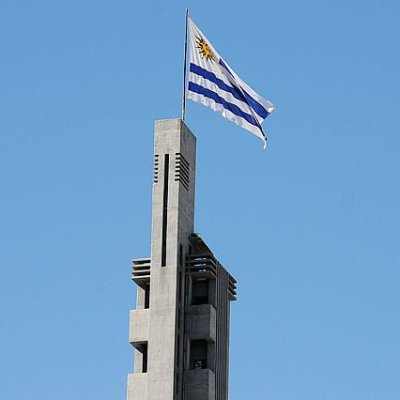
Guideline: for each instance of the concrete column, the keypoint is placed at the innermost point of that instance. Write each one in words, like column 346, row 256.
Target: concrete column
column 173, row 216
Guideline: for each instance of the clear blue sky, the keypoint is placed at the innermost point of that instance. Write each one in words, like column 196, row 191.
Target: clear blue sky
column 309, row 227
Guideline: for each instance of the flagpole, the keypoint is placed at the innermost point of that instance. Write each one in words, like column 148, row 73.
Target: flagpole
column 184, row 67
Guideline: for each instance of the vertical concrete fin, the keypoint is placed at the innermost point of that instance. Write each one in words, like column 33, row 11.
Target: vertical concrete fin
column 172, row 223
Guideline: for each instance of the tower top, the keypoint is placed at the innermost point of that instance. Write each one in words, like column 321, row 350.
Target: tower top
column 180, row 328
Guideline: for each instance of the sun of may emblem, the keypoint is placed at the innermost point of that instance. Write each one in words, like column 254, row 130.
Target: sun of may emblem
column 204, row 49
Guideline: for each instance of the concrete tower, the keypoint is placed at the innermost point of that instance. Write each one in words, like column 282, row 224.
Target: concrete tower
column 180, row 328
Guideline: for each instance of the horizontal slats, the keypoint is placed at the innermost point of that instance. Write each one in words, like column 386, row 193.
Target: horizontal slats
column 182, row 174
column 156, row 165
column 141, row 271
column 205, row 265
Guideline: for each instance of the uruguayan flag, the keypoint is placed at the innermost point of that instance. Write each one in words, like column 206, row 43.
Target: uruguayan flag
column 213, row 83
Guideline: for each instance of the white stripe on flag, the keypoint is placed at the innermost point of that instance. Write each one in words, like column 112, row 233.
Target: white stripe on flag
column 226, row 113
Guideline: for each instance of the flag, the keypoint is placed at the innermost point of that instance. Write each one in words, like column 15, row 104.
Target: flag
column 213, row 83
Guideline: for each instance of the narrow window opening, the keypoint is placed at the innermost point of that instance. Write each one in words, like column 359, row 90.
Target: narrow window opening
column 200, row 292
column 177, row 382
column 178, row 350
column 143, row 348
column 165, row 212
column 179, row 286
column 147, row 296
column 198, row 354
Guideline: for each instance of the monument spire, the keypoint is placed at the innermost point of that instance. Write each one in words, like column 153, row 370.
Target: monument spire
column 180, row 327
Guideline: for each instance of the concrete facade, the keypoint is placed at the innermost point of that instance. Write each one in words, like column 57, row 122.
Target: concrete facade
column 180, row 328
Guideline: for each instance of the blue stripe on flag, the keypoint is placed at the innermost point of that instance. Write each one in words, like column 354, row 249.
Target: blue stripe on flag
column 241, row 95
column 210, row 76
column 257, row 107
column 233, row 108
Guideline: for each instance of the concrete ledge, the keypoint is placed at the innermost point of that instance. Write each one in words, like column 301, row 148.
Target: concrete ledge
column 200, row 384
column 202, row 322
column 139, row 326
column 137, row 386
